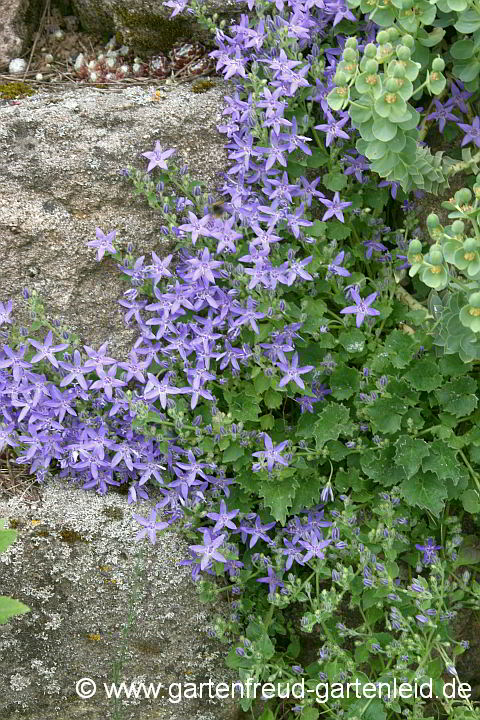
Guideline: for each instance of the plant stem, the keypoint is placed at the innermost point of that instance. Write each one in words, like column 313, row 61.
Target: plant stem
column 405, row 297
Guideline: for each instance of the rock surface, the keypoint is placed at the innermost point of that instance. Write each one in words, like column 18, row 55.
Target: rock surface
column 147, row 24
column 18, row 18
column 61, row 179
column 96, row 595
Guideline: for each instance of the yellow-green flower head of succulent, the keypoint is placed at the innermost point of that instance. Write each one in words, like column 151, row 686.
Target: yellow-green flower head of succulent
column 468, row 258
column 470, row 314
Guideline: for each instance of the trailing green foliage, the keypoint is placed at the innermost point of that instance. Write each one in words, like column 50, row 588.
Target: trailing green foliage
column 8, row 606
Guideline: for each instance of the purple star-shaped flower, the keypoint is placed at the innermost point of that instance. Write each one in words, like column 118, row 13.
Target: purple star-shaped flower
column 150, row 526
column 107, row 381
column 472, row 132
column 429, row 551
column 103, row 243
column 258, row 532
column 335, row 207
column 315, row 545
column 361, row 307
column 335, row 266
column 333, row 128
column 5, row 311
column 442, row 114
column 293, row 372
column 208, row 550
column 271, row 579
column 196, row 226
column 247, row 315
column 202, row 269
column 15, row 361
column 306, row 403
column 46, row 350
column 223, row 518
column 271, row 454
column 157, row 157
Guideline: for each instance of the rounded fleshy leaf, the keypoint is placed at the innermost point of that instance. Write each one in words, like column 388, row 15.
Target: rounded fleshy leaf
column 384, row 130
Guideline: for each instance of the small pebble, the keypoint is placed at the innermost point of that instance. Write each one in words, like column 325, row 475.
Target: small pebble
column 17, row 66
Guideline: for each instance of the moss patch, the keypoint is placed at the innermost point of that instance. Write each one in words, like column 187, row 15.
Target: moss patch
column 11, row 90
column 165, row 32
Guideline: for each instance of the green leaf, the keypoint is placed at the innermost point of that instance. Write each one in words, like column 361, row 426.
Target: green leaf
column 233, row 452
column 337, row 230
column 308, row 491
column 273, row 399
column 332, row 421
column 376, row 199
column 261, row 382
column 352, row 340
column 400, row 348
column 265, row 647
column 384, row 415
column 335, row 101
column 267, row 422
column 317, row 229
column 424, row 375
column 380, row 466
column 234, row 661
column 361, row 653
column 451, row 365
column 443, row 462
column 294, row 647
column 344, row 382
column 409, row 453
column 462, row 49
column 334, row 181
column 386, row 164
column 10, row 607
column 471, row 502
column 318, row 158
column 384, row 130
column 469, row 551
column 425, row 491
column 243, row 406
column 309, row 713
column 267, row 715
column 435, row 668
column 376, row 150
column 432, row 38
column 384, row 17
column 468, row 72
column 278, row 495
column 359, row 113
column 468, row 22
column 305, row 425
column 7, row 537
column 458, row 396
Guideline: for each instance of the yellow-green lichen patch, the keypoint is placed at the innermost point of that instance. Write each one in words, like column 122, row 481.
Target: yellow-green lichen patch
column 93, row 637
column 201, row 86
column 113, row 513
column 12, row 90
column 71, row 536
column 149, row 647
